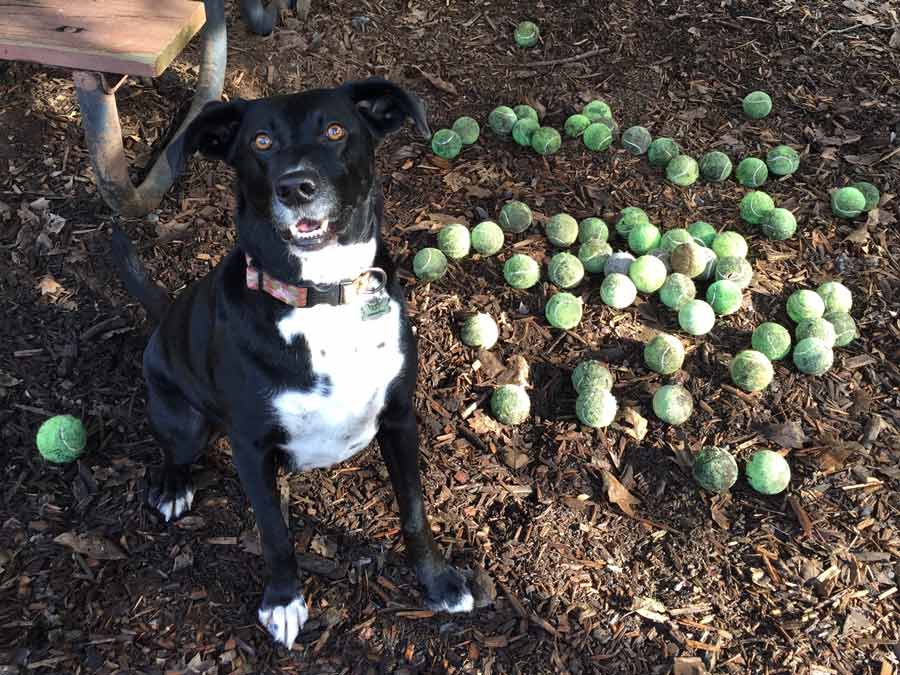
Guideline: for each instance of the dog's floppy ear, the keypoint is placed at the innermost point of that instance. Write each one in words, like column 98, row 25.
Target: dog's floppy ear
column 385, row 105
column 212, row 133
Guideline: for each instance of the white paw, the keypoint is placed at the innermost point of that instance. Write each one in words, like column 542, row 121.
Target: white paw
column 464, row 603
column 285, row 621
column 174, row 508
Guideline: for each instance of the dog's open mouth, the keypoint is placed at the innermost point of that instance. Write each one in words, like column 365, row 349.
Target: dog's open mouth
column 305, row 230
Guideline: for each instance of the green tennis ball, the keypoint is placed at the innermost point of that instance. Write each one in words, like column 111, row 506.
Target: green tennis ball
column 610, row 124
column 593, row 255
column 782, row 160
column 446, row 143
column 730, row 245
column 757, row 105
column 844, row 328
column 565, row 270
column 710, row 260
column 677, row 291
column 596, row 408
column 597, row 137
column 715, row 166
column 662, row 151
column 664, row 257
column 468, row 129
column 672, row 239
column 429, row 264
column 696, row 317
column 546, row 141
column 751, row 172
column 805, row 304
column 734, row 269
column 836, row 296
column 592, row 228
column 813, row 356
column 575, row 125
column 636, row 140
column 617, row 291
column 527, row 34
column 756, row 206
column 521, row 271
column 724, row 297
column 526, row 112
column 61, row 439
column 479, row 330
column 563, row 311
column 682, row 170
column 715, row 469
column 870, row 192
column 847, row 202
column 673, row 404
column 523, row 130
column 751, row 370
column 628, row 218
column 502, row 119
column 595, row 110
column 703, row 233
column 515, row 217
column 618, row 263
column 818, row 328
column 688, row 259
column 779, row 225
column 664, row 354
column 768, row 472
column 561, row 230
column 510, row 404
column 643, row 238
column 454, row 241
column 771, row 339
column 648, row 273
column 487, row 238
column 591, row 375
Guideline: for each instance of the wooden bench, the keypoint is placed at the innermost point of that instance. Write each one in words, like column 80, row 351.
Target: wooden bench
column 124, row 37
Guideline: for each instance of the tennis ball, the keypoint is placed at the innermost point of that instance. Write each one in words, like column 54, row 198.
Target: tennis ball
column 446, row 143
column 454, row 241
column 628, row 218
column 597, row 137
column 575, row 125
column 593, row 255
column 757, row 104
column 610, row 124
column 502, row 119
column 595, row 110
column 468, row 129
column 515, row 217
column 682, row 170
column 673, row 404
column 664, row 354
column 563, row 311
column 715, row 166
column 662, row 151
column 772, row 339
column 523, row 130
column 751, row 172
column 591, row 375
column 751, row 370
column 696, row 317
column 429, row 264
column 648, row 273
column 730, row 245
column 703, row 233
column 663, row 256
column 643, row 238
column 715, row 469
column 618, row 291
column 565, row 270
column 710, row 260
column 837, row 297
column 870, row 192
column 756, row 206
column 61, row 439
column 768, row 472
column 521, row 271
column 847, row 202
column 596, row 408
column 526, row 112
column 688, row 259
column 779, row 225
column 813, row 356
column 782, row 160
column 677, row 291
column 592, row 228
column 479, row 330
column 618, row 263
column 734, row 269
column 724, row 297
column 636, row 140
column 526, row 34
column 561, row 230
column 818, row 328
column 487, row 237
column 844, row 328
column 510, row 404
column 546, row 141
column 672, row 239
column 805, row 304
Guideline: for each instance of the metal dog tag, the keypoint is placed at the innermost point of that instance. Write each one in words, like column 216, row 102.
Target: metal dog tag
column 378, row 306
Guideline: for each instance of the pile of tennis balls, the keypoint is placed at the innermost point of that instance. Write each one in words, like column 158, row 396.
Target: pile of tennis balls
column 448, row 143
column 595, row 405
column 716, row 470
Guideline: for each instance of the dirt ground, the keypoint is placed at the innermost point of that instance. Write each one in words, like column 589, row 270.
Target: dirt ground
column 801, row 582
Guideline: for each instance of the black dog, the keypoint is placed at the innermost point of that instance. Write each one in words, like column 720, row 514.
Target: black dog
column 297, row 344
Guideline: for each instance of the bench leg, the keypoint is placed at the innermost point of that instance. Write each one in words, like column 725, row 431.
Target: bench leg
column 103, row 134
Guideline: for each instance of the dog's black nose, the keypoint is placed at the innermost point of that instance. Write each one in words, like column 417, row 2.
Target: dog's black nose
column 297, row 187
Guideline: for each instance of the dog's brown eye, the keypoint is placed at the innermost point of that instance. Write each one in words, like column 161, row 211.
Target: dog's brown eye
column 335, row 132
column 262, row 142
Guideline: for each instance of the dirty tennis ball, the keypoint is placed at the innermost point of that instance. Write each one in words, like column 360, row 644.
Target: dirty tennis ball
column 715, row 469
column 618, row 291
column 724, row 297
column 636, row 140
column 501, row 120
column 563, row 311
column 648, row 273
column 702, row 232
column 737, row 270
column 576, row 124
column 709, row 267
column 429, row 264
column 870, row 192
column 515, row 217
column 479, row 330
column 757, row 105
column 664, row 354
column 688, row 259
column 673, row 404
column 663, row 255
column 836, row 296
column 565, row 270
column 779, row 225
column 527, row 34
column 715, row 166
column 545, row 141
column 593, row 255
column 524, row 111
column 805, row 304
column 487, row 237
column 751, row 172
column 561, row 230
column 592, row 228
column 672, row 239
column 756, row 206
column 591, row 375
column 595, row 110
column 730, row 245
column 696, row 317
column 818, row 328
column 454, row 241
column 611, row 124
column 643, row 238
column 628, row 218
column 768, row 472
column 677, row 291
column 751, row 370
column 847, row 202
column 782, row 160
column 521, row 271
column 597, row 137
column 844, row 328
column 662, row 151
column 446, row 143
column 510, row 404
column 771, row 339
column 596, row 407
column 467, row 128
column 813, row 356
column 61, row 439
column 683, row 170
column 618, row 263
column 523, row 130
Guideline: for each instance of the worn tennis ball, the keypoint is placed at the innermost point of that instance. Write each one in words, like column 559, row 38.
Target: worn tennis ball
column 844, row 328
column 597, row 137
column 724, row 297
column 702, row 232
column 575, row 125
column 688, row 259
column 526, row 112
column 836, row 296
column 591, row 375
column 813, row 356
column 730, row 245
column 468, row 129
column 636, row 140
column 804, row 304
column 502, row 119
column 565, row 270
column 487, row 237
column 526, row 34
column 429, row 264
column 593, row 255
column 546, row 141
column 61, row 439
column 870, row 192
column 454, row 241
column 610, row 123
column 818, row 328
column 618, row 263
column 779, row 225
column 596, row 407
column 563, row 311
column 643, row 238
column 677, row 291
column 715, row 469
column 715, row 166
column 757, row 105
column 664, row 257
column 768, row 472
column 446, row 143
column 672, row 239
column 664, row 354
column 515, row 217
column 662, row 151
column 628, row 218
column 772, row 339
column 596, row 110
column 523, row 130
column 847, row 202
column 479, row 330
column 648, row 273
column 561, row 230
column 710, row 260
column 751, row 172
column 756, row 206
column 592, row 228
column 751, row 370
column 782, row 160
column 521, row 271
column 683, row 170
column 673, row 404
column 696, row 317
column 510, row 404
column 618, row 291
column 734, row 269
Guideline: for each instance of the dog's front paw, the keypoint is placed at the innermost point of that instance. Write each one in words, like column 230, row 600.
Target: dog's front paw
column 174, row 494
column 448, row 592
column 284, row 621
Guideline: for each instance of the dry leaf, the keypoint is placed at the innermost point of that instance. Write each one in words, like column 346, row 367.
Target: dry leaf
column 861, row 234
column 49, row 286
column 516, row 371
column 484, row 590
column 91, row 546
column 650, row 608
column 688, row 665
column 717, row 511
column 787, row 435
column 638, row 428
column 514, row 460
column 874, row 427
column 190, row 522
column 7, row 380
column 894, row 42
column 617, row 494
column 437, row 82
column 833, row 453
column 477, row 192
column 483, row 424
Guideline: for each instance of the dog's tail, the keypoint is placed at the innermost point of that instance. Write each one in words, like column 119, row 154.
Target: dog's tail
column 134, row 275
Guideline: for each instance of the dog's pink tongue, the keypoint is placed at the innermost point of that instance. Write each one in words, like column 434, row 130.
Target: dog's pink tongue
column 307, row 225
